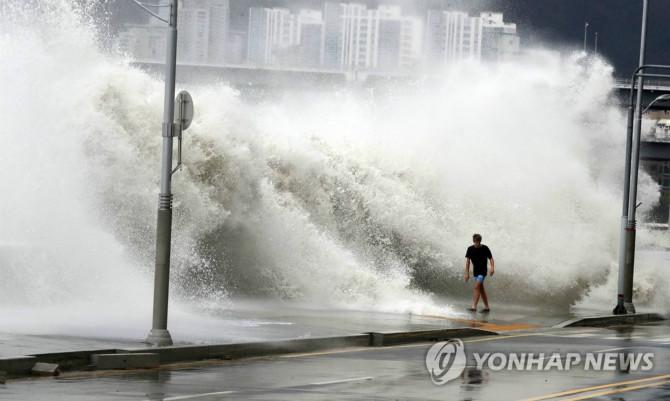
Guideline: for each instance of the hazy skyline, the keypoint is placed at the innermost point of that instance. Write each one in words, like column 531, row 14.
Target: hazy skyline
column 551, row 23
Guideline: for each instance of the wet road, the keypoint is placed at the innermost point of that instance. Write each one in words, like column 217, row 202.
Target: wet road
column 390, row 373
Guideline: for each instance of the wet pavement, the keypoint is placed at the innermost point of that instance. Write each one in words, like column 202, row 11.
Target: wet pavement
column 18, row 344
column 388, row 373
column 257, row 321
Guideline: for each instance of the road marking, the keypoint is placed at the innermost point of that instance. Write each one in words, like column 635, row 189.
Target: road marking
column 501, row 337
column 613, row 349
column 580, row 331
column 599, row 387
column 614, row 338
column 331, row 352
column 487, row 325
column 353, row 379
column 194, row 396
column 324, row 383
column 617, row 391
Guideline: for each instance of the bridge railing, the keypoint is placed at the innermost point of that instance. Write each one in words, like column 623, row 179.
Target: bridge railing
column 648, row 83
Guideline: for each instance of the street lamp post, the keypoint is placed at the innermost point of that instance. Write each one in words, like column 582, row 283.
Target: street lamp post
column 628, row 258
column 159, row 334
column 586, row 30
column 625, row 284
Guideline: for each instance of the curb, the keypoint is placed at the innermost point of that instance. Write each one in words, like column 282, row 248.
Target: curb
column 189, row 353
column 386, row 339
column 146, row 357
column 143, row 360
column 610, row 320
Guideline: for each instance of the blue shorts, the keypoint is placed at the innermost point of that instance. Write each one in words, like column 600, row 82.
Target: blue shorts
column 480, row 278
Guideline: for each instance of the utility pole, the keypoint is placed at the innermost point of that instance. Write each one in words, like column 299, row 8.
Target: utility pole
column 628, row 222
column 635, row 159
column 586, row 30
column 595, row 48
column 159, row 334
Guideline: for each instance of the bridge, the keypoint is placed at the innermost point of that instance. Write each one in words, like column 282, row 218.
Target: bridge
column 653, row 149
column 652, row 89
column 257, row 76
column 249, row 75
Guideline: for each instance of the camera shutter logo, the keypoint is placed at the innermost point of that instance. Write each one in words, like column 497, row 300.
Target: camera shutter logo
column 445, row 361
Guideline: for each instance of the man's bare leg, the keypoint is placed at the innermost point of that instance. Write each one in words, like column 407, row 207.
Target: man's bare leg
column 476, row 294
column 484, row 297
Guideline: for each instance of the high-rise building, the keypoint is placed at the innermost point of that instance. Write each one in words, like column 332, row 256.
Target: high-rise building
column 272, row 31
column 310, row 30
column 435, row 40
column 219, row 25
column 236, row 47
column 202, row 37
column 499, row 39
column 332, row 36
column 203, row 26
column 411, row 41
column 193, row 39
column 279, row 37
column 463, row 36
column 388, row 51
column 358, row 38
column 258, row 49
column 399, row 41
column 452, row 36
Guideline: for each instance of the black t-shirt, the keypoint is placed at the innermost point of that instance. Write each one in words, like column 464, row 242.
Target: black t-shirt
column 479, row 256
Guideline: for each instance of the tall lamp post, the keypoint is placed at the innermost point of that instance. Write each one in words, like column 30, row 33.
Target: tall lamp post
column 633, row 142
column 628, row 223
column 159, row 334
column 586, row 30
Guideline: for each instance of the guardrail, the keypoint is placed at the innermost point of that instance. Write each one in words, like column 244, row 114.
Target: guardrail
column 648, row 84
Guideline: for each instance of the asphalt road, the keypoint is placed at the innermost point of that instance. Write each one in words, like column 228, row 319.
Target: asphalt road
column 389, row 373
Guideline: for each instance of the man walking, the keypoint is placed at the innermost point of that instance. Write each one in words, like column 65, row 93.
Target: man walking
column 478, row 254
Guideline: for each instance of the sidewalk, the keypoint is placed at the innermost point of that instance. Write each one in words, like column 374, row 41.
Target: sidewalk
column 261, row 323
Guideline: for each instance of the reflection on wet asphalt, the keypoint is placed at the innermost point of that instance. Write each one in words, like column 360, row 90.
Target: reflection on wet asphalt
column 380, row 374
